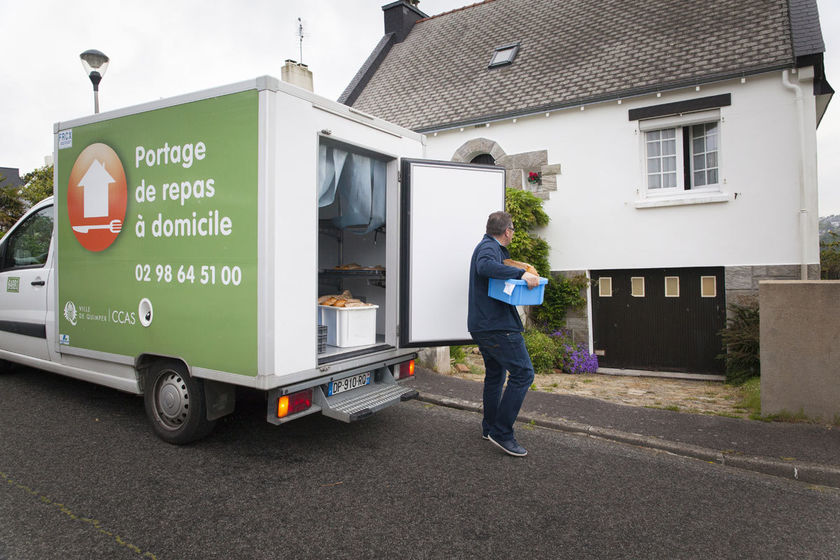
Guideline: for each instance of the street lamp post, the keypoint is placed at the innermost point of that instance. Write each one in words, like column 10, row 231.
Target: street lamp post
column 95, row 63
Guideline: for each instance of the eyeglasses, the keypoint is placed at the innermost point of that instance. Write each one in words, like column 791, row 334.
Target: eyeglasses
column 510, row 228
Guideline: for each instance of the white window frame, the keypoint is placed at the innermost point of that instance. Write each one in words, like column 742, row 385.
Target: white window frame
column 679, row 194
column 703, row 293
column 605, row 286
column 632, row 288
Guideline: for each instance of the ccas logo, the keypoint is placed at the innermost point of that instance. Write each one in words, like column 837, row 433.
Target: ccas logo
column 96, row 197
column 70, row 312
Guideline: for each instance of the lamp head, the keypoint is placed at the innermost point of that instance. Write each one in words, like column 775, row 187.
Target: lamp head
column 95, row 63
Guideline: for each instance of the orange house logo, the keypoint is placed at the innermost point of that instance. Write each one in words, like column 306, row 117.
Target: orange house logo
column 96, row 197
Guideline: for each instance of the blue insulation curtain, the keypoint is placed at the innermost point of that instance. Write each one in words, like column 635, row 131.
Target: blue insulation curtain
column 359, row 184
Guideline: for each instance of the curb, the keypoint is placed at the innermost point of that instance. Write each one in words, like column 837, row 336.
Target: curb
column 813, row 473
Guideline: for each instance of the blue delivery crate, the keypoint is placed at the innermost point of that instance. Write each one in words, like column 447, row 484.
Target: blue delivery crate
column 520, row 295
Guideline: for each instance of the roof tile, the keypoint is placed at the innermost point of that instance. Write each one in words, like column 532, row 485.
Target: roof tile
column 577, row 51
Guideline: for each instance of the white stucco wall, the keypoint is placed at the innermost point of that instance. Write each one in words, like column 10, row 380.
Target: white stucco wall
column 595, row 223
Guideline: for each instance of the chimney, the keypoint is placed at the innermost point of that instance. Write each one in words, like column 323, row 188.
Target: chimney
column 400, row 17
column 297, row 74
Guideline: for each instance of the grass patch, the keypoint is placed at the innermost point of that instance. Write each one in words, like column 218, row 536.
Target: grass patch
column 751, row 397
column 457, row 354
column 751, row 402
column 475, row 370
column 672, row 407
column 726, row 415
column 785, row 416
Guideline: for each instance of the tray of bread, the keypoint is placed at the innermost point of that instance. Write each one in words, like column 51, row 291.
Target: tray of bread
column 344, row 299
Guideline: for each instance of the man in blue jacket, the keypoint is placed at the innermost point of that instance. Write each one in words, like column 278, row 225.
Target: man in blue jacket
column 496, row 328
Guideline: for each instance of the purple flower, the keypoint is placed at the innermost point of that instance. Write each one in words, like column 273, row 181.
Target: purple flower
column 579, row 360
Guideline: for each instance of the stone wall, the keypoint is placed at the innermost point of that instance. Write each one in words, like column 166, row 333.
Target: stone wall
column 742, row 281
column 577, row 320
column 518, row 166
column 800, row 348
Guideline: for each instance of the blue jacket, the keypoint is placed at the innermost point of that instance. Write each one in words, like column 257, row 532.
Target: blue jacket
column 486, row 313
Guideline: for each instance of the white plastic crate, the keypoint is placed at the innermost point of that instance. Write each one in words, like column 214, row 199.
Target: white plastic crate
column 349, row 326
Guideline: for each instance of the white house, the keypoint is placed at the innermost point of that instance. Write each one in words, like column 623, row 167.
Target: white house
column 676, row 144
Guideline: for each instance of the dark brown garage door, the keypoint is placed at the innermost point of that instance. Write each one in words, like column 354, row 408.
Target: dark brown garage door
column 659, row 319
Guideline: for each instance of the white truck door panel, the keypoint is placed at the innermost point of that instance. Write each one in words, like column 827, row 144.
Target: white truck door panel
column 24, row 281
column 444, row 214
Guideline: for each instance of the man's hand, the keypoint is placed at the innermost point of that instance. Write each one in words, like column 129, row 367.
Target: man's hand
column 531, row 279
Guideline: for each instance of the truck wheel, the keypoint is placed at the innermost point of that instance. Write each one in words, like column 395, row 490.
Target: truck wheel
column 175, row 403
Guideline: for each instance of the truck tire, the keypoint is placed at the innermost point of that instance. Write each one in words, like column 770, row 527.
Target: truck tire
column 175, row 403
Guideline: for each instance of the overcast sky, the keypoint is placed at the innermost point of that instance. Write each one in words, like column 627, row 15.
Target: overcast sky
column 162, row 48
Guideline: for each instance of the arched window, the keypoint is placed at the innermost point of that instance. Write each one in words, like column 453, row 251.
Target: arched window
column 484, row 159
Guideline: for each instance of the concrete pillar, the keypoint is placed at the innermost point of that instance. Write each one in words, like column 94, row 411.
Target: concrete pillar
column 800, row 348
column 435, row 358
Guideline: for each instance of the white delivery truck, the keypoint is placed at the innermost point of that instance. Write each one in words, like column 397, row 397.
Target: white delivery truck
column 190, row 239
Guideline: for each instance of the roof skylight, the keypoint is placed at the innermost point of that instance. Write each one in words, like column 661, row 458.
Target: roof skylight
column 504, row 55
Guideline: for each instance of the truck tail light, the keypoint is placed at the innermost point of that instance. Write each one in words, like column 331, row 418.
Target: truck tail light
column 405, row 370
column 294, row 403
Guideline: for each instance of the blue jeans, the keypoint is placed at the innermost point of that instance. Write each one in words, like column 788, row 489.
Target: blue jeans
column 503, row 351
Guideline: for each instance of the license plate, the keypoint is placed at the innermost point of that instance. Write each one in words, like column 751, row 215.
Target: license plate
column 348, row 383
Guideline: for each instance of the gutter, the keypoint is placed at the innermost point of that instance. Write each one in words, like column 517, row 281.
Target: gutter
column 803, row 211
column 622, row 95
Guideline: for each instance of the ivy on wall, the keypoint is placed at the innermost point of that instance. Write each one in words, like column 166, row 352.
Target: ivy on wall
column 560, row 293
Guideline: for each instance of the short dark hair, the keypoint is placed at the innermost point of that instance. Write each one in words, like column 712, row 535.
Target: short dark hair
column 498, row 222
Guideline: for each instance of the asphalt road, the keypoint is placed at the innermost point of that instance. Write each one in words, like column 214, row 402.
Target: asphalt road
column 82, row 476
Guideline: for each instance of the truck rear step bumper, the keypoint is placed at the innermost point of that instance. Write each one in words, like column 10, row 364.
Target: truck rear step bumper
column 362, row 402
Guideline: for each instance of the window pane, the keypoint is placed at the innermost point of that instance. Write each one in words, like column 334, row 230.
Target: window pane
column 711, row 160
column 654, row 182
column 713, row 176
column 637, row 286
column 672, row 286
column 699, row 145
column 699, row 162
column 661, row 148
column 711, row 142
column 605, row 286
column 708, row 286
column 699, row 178
column 29, row 244
column 503, row 56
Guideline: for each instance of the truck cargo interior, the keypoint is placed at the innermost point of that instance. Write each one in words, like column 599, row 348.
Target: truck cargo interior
column 352, row 241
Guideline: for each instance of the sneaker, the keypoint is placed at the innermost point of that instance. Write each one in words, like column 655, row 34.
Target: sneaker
column 511, row 447
column 485, row 435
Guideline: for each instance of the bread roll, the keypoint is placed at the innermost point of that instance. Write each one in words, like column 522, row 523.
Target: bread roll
column 524, row 266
